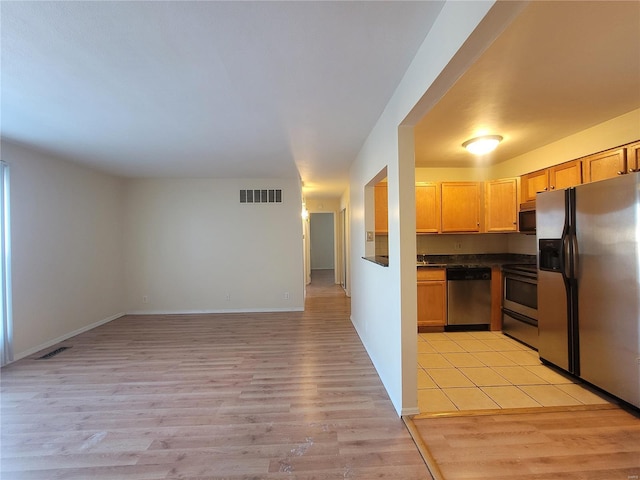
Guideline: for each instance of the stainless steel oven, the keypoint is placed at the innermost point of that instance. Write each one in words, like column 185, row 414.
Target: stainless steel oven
column 520, row 303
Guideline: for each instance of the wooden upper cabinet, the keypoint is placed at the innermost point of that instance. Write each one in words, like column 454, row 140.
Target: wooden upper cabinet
column 633, row 157
column 604, row 165
column 460, row 206
column 501, row 205
column 558, row 177
column 565, row 175
column 381, row 206
column 533, row 183
column 428, row 208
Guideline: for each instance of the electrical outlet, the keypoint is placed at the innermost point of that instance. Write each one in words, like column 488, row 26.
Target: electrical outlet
column 227, row 297
column 370, row 237
column 457, row 246
column 145, row 299
column 286, row 295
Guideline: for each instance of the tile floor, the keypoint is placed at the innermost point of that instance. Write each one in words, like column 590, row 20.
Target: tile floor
column 488, row 370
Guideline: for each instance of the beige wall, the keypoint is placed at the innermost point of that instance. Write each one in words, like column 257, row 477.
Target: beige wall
column 87, row 247
column 612, row 133
column 67, row 248
column 193, row 247
column 609, row 134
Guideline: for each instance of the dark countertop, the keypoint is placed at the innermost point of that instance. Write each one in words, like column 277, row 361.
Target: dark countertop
column 443, row 261
column 484, row 260
column 382, row 260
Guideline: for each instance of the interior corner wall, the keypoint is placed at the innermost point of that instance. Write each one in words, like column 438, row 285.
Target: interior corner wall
column 380, row 310
column 192, row 247
column 67, row 242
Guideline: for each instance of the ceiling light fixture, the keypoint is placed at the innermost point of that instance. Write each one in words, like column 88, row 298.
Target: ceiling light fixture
column 483, row 144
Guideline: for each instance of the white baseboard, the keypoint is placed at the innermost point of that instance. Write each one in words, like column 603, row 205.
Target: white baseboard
column 205, row 312
column 66, row 336
column 409, row 411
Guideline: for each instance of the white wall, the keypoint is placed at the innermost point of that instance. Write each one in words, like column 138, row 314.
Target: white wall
column 191, row 243
column 67, row 244
column 322, row 241
column 384, row 299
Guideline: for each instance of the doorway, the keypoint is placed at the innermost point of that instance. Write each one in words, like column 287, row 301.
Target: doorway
column 322, row 244
column 342, row 250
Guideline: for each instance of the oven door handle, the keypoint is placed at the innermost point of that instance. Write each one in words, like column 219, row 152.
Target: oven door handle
column 533, row 279
column 520, row 317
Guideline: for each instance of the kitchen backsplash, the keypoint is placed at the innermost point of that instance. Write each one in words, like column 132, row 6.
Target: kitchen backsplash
column 466, row 244
column 475, row 243
column 382, row 245
column 525, row 244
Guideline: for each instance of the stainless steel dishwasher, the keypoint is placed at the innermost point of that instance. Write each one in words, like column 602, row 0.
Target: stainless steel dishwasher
column 469, row 295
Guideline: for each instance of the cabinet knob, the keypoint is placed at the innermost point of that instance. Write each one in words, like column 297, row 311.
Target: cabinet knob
column 622, row 173
column 631, row 170
column 545, row 189
column 553, row 187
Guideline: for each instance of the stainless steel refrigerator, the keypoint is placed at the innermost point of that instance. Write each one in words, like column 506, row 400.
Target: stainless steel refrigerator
column 589, row 283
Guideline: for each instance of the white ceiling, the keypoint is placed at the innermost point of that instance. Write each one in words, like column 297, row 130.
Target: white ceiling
column 559, row 68
column 281, row 89
column 224, row 89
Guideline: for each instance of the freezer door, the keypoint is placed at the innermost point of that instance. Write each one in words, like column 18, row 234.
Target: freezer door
column 553, row 336
column 608, row 234
column 550, row 214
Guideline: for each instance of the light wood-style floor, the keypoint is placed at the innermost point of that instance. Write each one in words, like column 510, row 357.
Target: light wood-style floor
column 238, row 396
column 562, row 443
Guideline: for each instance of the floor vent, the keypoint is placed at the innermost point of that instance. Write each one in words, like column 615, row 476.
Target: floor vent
column 53, row 353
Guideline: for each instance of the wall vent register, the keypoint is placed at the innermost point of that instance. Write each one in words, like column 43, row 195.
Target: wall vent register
column 260, row 196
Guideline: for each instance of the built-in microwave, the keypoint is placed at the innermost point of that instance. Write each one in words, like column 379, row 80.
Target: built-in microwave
column 527, row 218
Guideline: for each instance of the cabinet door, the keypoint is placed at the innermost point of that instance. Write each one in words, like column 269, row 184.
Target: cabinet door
column 381, row 208
column 604, row 165
column 432, row 304
column 534, row 182
column 460, row 206
column 633, row 157
column 565, row 175
column 427, row 208
column 501, row 205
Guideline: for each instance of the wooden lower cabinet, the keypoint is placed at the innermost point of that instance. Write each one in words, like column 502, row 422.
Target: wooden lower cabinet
column 496, row 298
column 432, row 297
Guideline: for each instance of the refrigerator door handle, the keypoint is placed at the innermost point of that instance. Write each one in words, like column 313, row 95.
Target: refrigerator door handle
column 574, row 256
column 566, row 256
